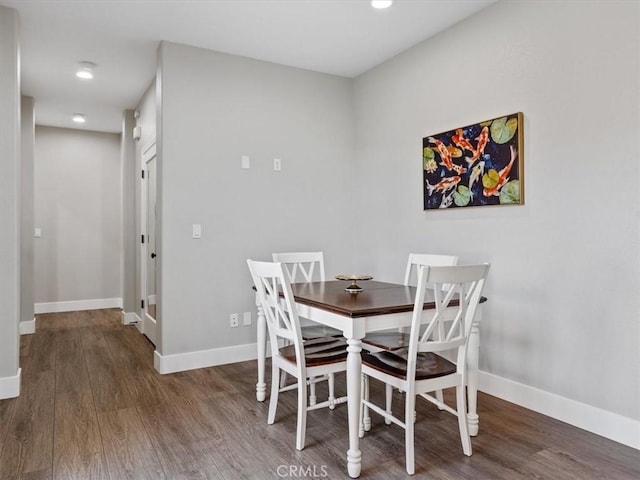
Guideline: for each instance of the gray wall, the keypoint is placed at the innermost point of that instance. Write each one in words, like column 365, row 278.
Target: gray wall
column 214, row 109
column 563, row 287
column 10, row 180
column 129, row 176
column 26, row 242
column 78, row 208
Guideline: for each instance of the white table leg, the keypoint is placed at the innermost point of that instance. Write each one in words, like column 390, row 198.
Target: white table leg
column 472, row 377
column 261, row 386
column 354, row 374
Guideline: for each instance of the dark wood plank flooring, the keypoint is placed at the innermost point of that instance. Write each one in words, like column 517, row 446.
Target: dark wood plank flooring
column 93, row 407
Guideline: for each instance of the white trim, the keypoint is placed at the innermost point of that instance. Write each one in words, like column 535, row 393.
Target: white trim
column 77, row 305
column 140, row 325
column 595, row 420
column 150, row 327
column 205, row 358
column 28, row 327
column 129, row 318
column 151, row 300
column 10, row 386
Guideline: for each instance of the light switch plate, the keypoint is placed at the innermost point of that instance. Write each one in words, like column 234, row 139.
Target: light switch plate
column 246, row 162
column 277, row 164
column 197, row 230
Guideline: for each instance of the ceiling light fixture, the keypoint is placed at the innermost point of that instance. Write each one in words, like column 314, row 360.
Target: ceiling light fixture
column 380, row 4
column 79, row 118
column 85, row 70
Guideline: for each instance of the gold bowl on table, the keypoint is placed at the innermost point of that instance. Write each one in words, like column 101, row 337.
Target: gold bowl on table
column 353, row 278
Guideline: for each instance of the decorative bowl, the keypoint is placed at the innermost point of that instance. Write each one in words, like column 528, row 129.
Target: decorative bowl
column 353, row 278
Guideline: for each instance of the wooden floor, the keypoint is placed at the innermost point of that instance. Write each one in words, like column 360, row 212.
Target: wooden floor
column 93, row 407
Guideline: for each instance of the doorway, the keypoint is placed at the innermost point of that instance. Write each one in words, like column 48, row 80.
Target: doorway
column 148, row 268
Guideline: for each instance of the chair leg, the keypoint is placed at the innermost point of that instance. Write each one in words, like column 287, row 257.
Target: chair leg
column 312, row 393
column 462, row 419
column 275, row 390
column 332, row 391
column 440, row 398
column 366, row 419
column 388, row 394
column 302, row 414
column 409, row 410
column 361, row 409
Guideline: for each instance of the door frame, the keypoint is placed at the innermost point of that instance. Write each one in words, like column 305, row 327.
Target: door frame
column 149, row 325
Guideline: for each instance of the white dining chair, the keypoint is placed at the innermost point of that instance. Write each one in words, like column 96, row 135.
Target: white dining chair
column 395, row 339
column 306, row 267
column 420, row 367
column 305, row 361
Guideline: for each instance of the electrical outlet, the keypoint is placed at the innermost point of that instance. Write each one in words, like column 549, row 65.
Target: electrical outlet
column 233, row 320
column 246, row 318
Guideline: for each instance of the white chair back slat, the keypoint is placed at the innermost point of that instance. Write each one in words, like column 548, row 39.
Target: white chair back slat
column 420, row 259
column 302, row 266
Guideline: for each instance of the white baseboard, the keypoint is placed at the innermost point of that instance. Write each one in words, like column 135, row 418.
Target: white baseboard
column 205, row 358
column 595, row 420
column 77, row 305
column 28, row 327
column 130, row 318
column 10, row 386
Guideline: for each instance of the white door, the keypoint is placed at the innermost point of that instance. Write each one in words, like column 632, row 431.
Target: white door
column 148, row 255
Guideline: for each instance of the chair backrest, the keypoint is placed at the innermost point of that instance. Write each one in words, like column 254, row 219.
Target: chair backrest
column 271, row 278
column 418, row 259
column 302, row 266
column 456, row 291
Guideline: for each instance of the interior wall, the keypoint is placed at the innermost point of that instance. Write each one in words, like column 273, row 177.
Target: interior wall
column 129, row 175
column 27, row 135
column 563, row 307
column 215, row 108
column 78, row 210
column 10, row 181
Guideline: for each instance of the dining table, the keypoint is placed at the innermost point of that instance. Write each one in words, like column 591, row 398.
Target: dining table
column 379, row 306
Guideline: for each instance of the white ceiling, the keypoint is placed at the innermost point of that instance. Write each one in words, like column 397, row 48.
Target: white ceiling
column 341, row 37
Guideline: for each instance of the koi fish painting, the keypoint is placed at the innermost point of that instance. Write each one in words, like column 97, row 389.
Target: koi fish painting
column 476, row 165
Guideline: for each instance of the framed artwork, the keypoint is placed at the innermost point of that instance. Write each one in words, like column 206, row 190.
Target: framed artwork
column 476, row 165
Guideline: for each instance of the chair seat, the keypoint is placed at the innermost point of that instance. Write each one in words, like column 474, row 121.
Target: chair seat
column 429, row 365
column 319, row 351
column 317, row 331
column 387, row 340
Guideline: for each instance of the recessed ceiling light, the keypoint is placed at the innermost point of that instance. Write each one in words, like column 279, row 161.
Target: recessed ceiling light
column 380, row 4
column 79, row 118
column 85, row 70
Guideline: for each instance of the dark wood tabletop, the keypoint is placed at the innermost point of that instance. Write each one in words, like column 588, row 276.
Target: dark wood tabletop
column 377, row 298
